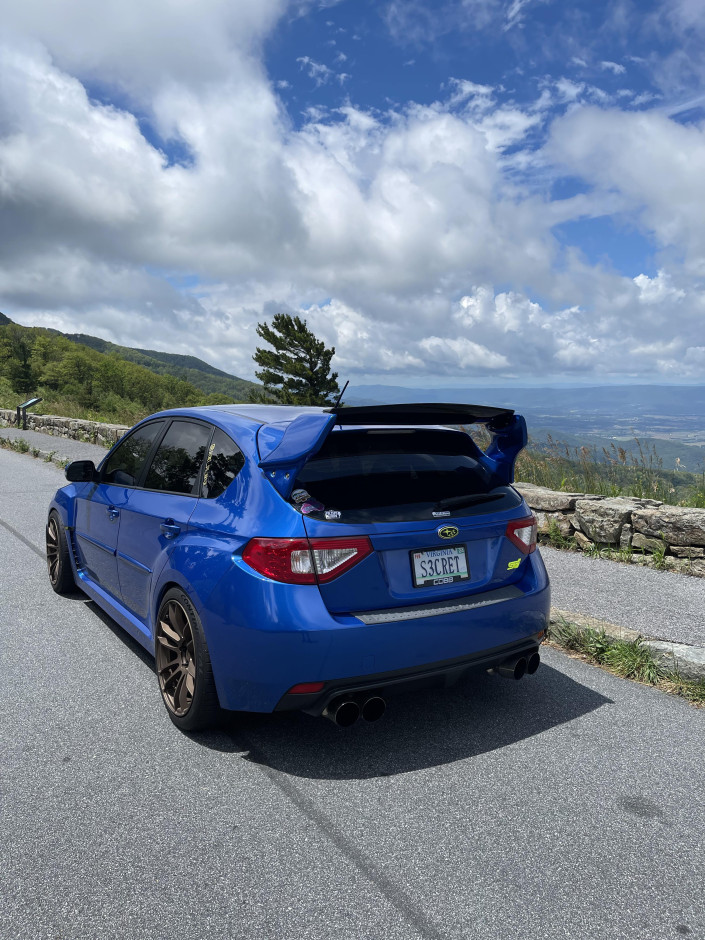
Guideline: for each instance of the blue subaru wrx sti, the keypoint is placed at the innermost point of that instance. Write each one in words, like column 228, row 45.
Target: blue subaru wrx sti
column 276, row 558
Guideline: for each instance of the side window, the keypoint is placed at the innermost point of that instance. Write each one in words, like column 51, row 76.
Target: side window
column 125, row 464
column 224, row 462
column 178, row 460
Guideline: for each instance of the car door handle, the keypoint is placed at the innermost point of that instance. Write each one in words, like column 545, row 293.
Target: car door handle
column 113, row 513
column 170, row 529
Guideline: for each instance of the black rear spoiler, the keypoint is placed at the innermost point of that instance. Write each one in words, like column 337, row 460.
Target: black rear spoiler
column 419, row 414
column 284, row 450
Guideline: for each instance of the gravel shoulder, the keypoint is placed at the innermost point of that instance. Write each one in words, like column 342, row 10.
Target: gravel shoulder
column 63, row 448
column 658, row 604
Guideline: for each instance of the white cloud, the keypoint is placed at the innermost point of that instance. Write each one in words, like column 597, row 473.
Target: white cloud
column 613, row 67
column 319, row 72
column 390, row 232
column 654, row 163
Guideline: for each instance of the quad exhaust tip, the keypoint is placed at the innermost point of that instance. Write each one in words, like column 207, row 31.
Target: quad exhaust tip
column 533, row 663
column 345, row 712
column 342, row 712
column 520, row 666
column 373, row 708
column 513, row 668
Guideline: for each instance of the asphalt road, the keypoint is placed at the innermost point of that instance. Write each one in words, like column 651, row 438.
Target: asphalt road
column 63, row 447
column 660, row 604
column 566, row 805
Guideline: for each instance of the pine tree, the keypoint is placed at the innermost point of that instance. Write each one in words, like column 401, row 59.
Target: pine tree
column 297, row 370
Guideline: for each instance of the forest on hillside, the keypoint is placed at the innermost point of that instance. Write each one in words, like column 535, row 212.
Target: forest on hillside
column 188, row 368
column 79, row 382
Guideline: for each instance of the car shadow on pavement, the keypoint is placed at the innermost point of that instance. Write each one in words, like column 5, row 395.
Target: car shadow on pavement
column 420, row 730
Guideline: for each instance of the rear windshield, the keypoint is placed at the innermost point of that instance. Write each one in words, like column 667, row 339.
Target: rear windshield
column 387, row 475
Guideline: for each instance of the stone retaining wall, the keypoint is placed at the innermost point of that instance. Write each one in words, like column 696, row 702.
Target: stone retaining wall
column 91, row 432
column 643, row 531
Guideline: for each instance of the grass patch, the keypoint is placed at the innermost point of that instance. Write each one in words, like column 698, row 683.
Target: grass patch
column 630, row 659
column 18, row 444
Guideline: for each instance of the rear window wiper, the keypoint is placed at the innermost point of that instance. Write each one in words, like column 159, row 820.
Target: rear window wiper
column 457, row 502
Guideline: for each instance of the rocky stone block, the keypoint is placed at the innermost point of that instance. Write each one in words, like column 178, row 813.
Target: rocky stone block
column 542, row 526
column 687, row 661
column 625, row 537
column 696, row 567
column 550, row 523
column 602, row 521
column 675, row 524
column 648, row 545
column 545, row 500
column 687, row 551
column 583, row 541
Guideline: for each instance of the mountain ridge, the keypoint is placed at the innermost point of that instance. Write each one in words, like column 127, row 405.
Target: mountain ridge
column 196, row 371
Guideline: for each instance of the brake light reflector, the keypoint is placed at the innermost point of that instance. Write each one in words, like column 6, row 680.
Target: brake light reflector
column 305, row 561
column 305, row 688
column 522, row 533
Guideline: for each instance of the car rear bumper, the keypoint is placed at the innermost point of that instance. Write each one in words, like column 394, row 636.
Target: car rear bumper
column 287, row 636
column 433, row 675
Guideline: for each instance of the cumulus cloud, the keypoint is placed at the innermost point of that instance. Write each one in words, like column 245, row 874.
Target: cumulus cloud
column 654, row 163
column 417, row 241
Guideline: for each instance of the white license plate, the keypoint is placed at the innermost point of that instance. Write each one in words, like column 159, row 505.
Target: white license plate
column 439, row 565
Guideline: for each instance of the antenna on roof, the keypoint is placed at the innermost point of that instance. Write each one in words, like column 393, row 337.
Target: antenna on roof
column 341, row 395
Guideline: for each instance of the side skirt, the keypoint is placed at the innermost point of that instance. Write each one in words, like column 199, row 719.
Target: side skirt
column 120, row 615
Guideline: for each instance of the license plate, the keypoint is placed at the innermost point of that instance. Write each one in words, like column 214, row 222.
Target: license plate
column 439, row 565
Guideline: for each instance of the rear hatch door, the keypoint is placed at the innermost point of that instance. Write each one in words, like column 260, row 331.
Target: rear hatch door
column 435, row 514
column 413, row 564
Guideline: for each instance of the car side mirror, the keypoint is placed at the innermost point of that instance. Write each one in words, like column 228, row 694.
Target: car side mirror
column 81, row 471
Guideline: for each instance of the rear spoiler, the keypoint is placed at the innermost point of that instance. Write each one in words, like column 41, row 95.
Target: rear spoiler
column 285, row 448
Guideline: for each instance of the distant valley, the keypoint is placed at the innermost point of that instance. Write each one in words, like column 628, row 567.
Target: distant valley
column 670, row 418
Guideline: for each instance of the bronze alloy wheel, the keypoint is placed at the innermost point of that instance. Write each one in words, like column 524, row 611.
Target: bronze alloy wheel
column 176, row 660
column 183, row 665
column 58, row 557
column 53, row 550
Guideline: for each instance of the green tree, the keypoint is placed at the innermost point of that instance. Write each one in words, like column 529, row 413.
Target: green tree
column 16, row 358
column 297, row 370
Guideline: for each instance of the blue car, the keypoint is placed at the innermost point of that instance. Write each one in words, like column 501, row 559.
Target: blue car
column 274, row 558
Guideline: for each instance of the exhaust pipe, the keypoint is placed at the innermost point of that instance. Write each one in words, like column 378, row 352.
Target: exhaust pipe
column 513, row 668
column 533, row 663
column 342, row 712
column 373, row 708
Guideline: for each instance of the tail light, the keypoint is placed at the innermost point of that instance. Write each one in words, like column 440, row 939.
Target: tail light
column 522, row 533
column 305, row 561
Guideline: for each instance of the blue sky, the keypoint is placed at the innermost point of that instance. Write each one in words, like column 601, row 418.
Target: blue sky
column 457, row 192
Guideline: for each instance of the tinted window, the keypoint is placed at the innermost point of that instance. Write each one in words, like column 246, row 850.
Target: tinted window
column 177, row 462
column 224, row 462
column 396, row 475
column 125, row 464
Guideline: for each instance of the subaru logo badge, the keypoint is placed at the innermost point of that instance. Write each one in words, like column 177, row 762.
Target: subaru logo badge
column 448, row 531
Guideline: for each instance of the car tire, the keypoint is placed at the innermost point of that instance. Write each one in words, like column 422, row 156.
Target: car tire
column 58, row 556
column 184, row 666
